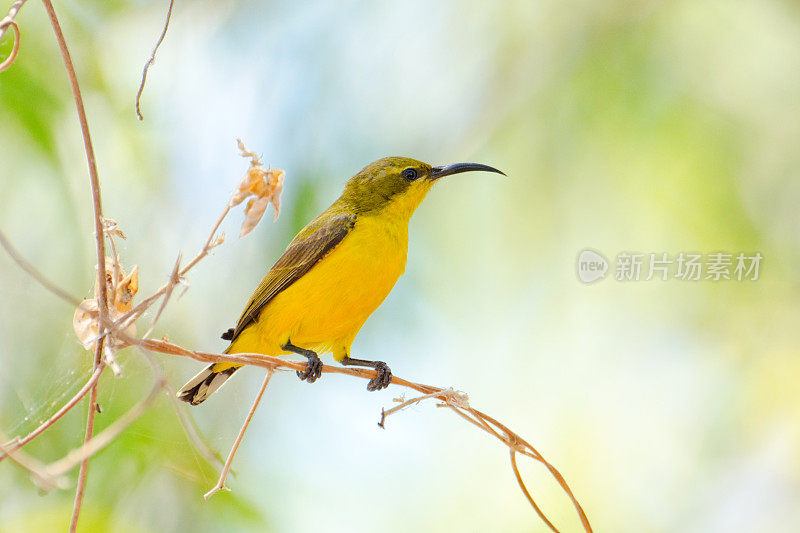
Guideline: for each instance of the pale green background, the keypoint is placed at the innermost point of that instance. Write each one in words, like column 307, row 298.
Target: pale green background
column 638, row 126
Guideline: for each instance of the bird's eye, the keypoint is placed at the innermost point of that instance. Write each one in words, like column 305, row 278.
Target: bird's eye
column 410, row 174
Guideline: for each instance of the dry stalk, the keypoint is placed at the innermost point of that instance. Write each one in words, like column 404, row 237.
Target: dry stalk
column 456, row 401
column 131, row 316
column 90, row 158
column 18, row 443
column 151, row 60
column 6, row 21
column 99, row 239
column 224, row 474
column 513, row 453
column 25, row 265
column 84, row 471
column 15, row 48
column 91, row 446
column 37, row 470
column 191, row 430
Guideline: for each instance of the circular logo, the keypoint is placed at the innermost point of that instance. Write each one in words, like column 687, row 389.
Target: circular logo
column 591, row 266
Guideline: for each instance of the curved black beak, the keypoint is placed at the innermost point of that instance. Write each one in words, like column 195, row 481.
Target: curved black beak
column 458, row 168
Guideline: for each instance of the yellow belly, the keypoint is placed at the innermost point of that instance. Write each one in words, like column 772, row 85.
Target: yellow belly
column 325, row 309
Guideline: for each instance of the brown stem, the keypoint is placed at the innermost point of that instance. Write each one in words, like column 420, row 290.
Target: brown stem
column 84, row 471
column 25, row 265
column 152, row 60
column 93, row 175
column 102, row 302
column 553, row 471
column 132, row 315
column 224, row 474
column 104, row 438
column 15, row 48
column 37, row 470
column 9, row 18
column 191, row 430
column 19, row 443
column 475, row 417
column 527, row 494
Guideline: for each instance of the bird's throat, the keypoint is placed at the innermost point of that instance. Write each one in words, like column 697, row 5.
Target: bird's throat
column 401, row 206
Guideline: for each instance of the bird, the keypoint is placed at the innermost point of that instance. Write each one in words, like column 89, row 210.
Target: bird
column 333, row 275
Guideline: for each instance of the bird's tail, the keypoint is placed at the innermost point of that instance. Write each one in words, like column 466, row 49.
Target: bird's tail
column 206, row 382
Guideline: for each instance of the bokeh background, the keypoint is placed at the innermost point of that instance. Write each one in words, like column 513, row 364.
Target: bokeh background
column 623, row 125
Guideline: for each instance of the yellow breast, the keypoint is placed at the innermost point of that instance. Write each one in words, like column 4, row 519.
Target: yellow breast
column 325, row 308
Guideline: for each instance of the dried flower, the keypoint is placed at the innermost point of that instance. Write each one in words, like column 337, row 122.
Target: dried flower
column 111, row 228
column 265, row 185
column 120, row 290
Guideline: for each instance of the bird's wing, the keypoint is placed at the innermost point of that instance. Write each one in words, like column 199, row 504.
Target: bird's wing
column 308, row 247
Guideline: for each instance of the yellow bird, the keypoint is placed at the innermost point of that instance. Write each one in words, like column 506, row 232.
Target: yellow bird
column 333, row 275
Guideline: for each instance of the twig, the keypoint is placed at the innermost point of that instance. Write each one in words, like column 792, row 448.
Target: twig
column 191, row 430
column 224, row 474
column 187, row 423
column 521, row 445
column 211, row 243
column 152, row 60
column 9, row 18
column 102, row 302
column 105, row 437
column 14, row 49
column 474, row 416
column 174, row 279
column 19, row 443
column 527, row 494
column 34, row 467
column 93, row 175
column 412, row 401
column 84, row 471
column 25, row 265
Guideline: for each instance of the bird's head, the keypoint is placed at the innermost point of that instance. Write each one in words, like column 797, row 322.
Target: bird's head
column 397, row 185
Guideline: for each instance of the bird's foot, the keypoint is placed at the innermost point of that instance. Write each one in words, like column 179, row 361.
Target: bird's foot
column 313, row 368
column 382, row 380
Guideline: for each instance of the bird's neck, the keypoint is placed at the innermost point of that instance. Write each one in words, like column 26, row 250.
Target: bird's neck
column 401, row 207
column 396, row 209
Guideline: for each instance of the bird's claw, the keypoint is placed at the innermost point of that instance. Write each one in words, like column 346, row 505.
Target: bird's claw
column 382, row 379
column 313, row 370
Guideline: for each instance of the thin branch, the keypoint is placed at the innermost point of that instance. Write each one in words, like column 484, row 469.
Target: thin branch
column 174, row 279
column 191, row 430
column 211, row 242
column 455, row 402
column 37, row 470
column 527, row 494
column 521, row 445
column 152, row 60
column 15, row 48
column 93, row 175
column 224, row 474
column 105, row 437
column 84, row 471
column 187, row 422
column 18, row 443
column 412, row 401
column 25, row 265
column 9, row 18
column 102, row 303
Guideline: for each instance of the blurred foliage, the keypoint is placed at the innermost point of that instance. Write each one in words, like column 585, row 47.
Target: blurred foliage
column 624, row 126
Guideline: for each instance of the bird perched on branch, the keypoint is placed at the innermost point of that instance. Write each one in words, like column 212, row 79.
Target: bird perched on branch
column 333, row 275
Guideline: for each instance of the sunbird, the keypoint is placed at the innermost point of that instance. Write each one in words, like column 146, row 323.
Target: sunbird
column 333, row 275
